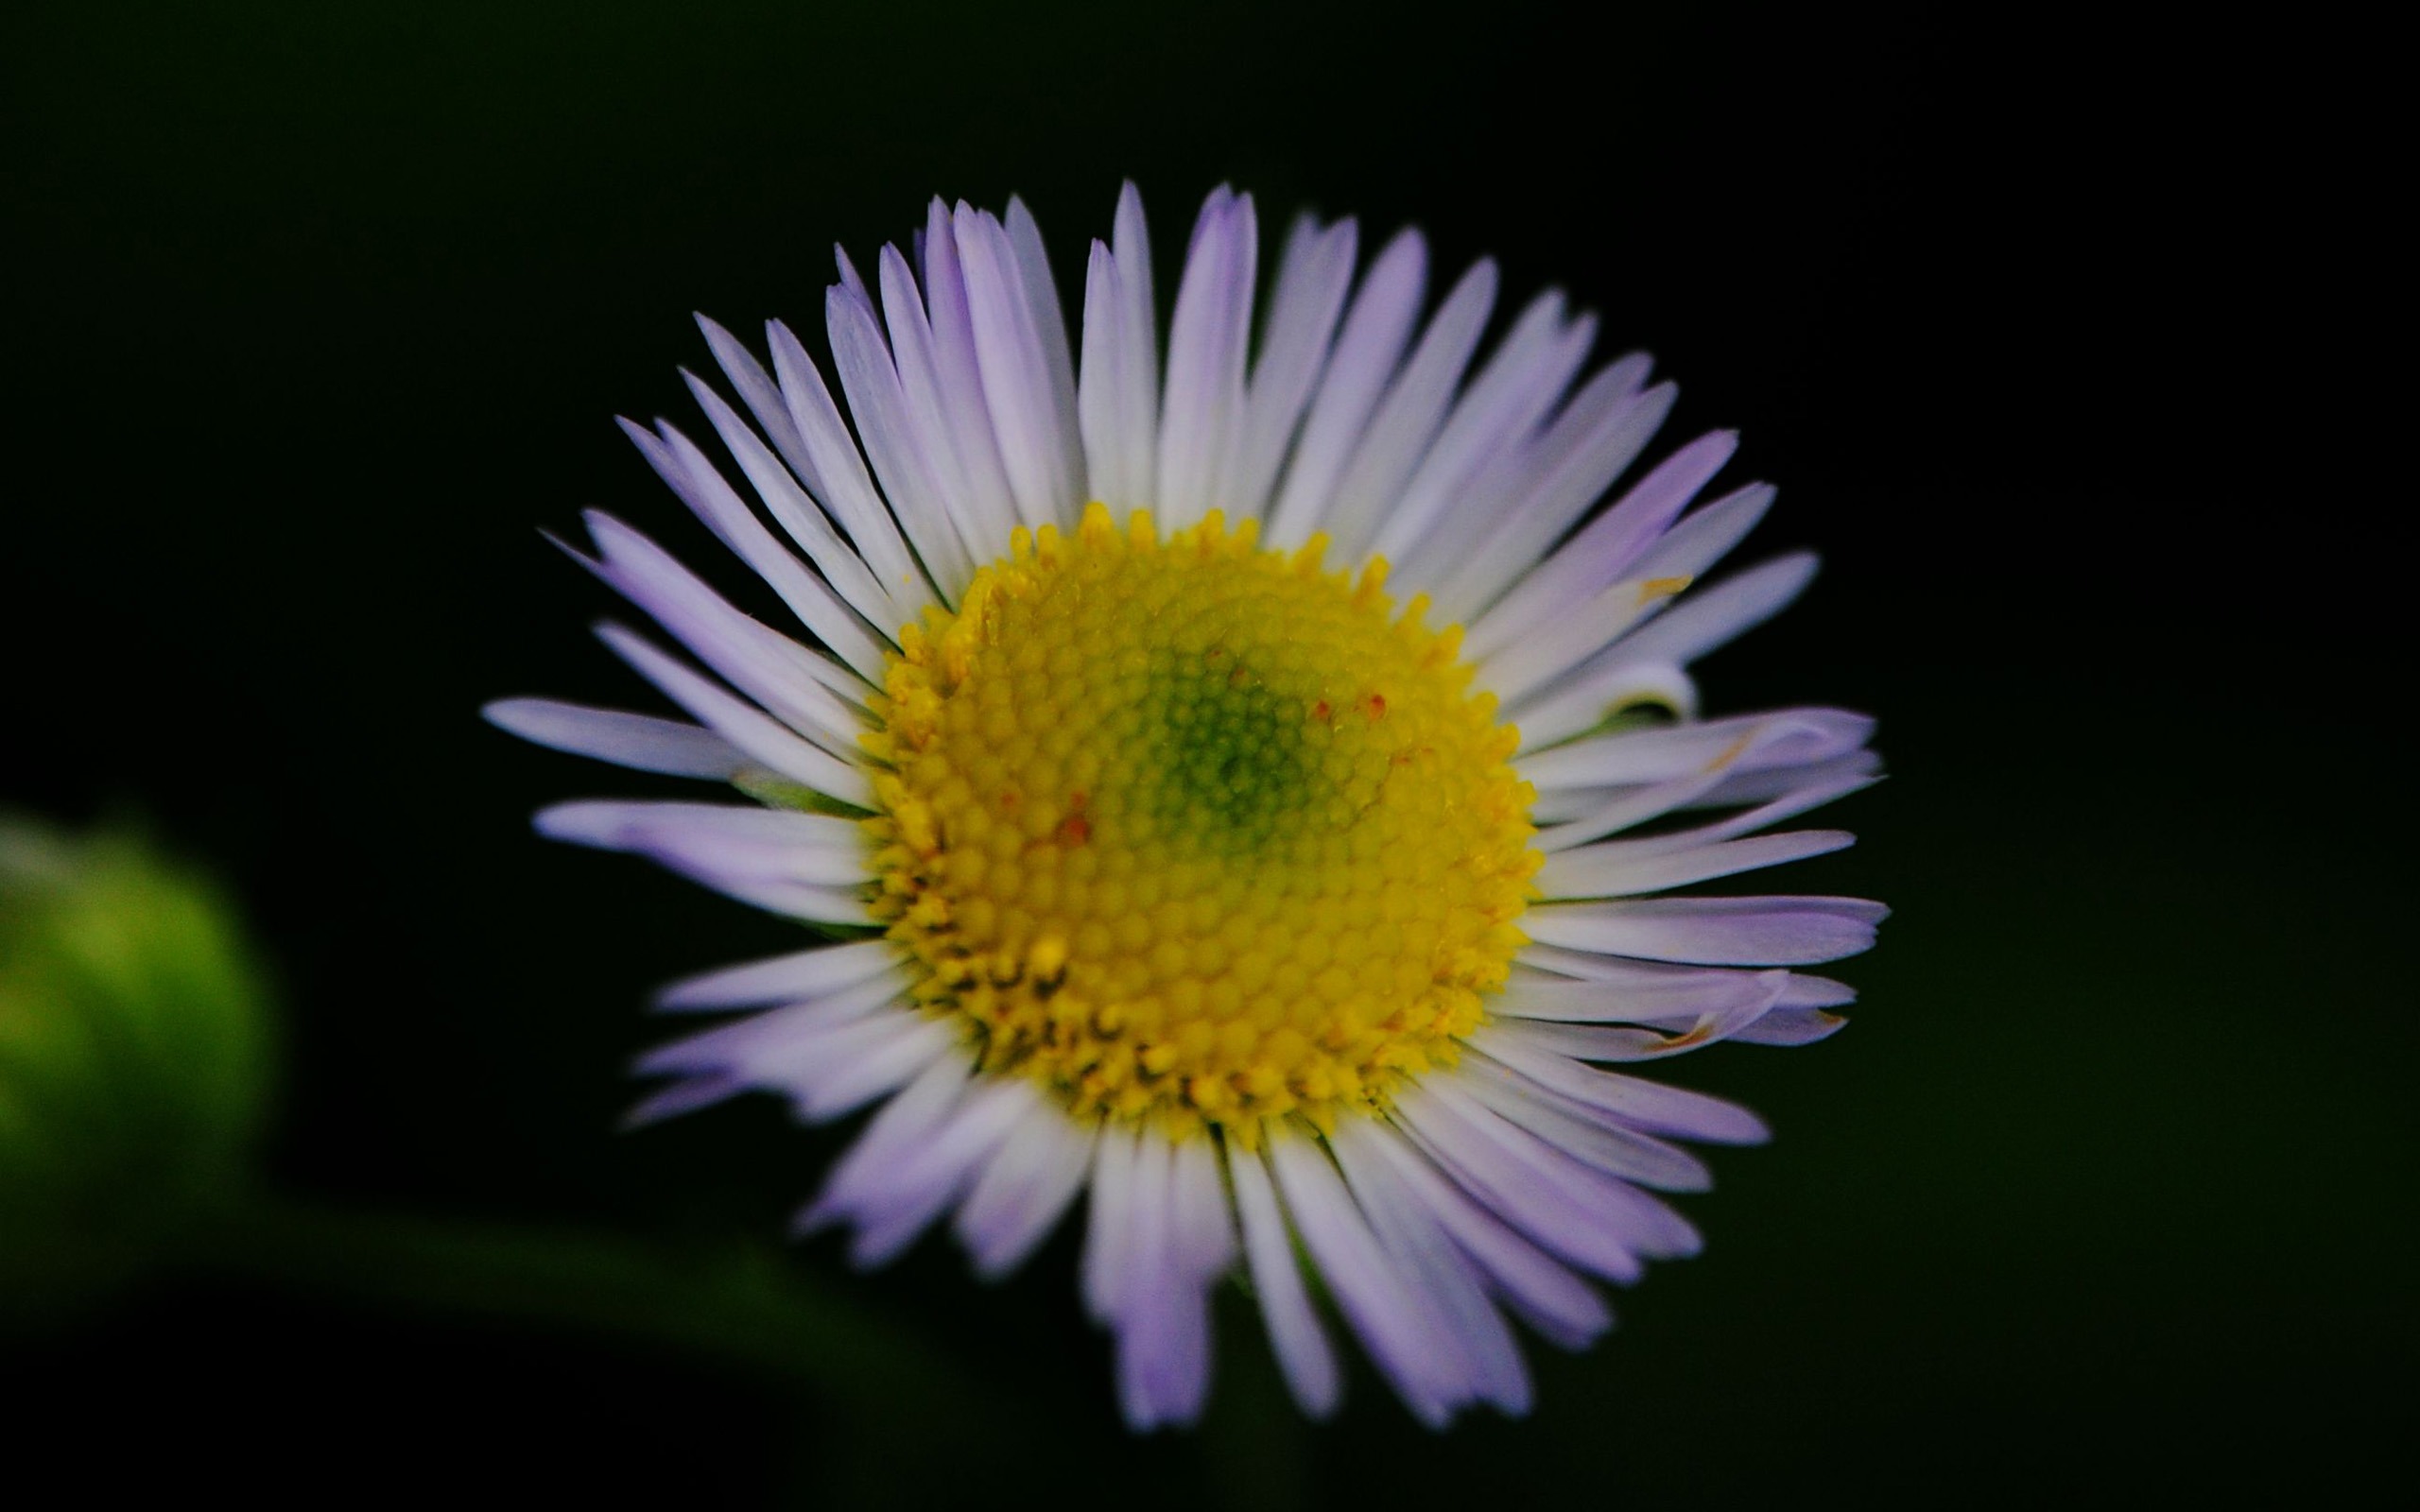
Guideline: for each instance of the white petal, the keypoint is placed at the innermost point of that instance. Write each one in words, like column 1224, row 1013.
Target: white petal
column 1206, row 1227
column 1598, row 989
column 1604, row 552
column 1102, row 388
column 851, row 281
column 1107, row 1230
column 1796, row 737
column 1406, row 423
column 1375, row 331
column 979, row 509
column 763, row 397
column 758, row 1047
column 1791, row 1026
column 1183, row 1240
column 1385, row 1313
column 1580, row 1132
column 757, row 660
column 1303, row 1352
column 1619, row 868
column 801, row 976
column 1203, row 409
column 905, row 1125
column 1608, row 1210
column 1050, row 326
column 1713, row 616
column 1581, row 702
column 718, row 842
column 1800, row 786
column 1561, row 1204
column 677, row 459
column 1706, row 535
column 1517, row 388
column 1026, row 1190
column 1628, row 806
column 686, row 1096
column 922, row 1189
column 1488, row 1362
column 755, row 734
column 1650, row 1041
column 1611, row 991
column 1038, row 451
column 1312, row 278
column 839, row 562
column 911, row 474
column 1552, row 649
column 1474, row 555
column 640, row 742
column 1647, row 1106
column 871, row 1060
column 848, row 493
column 1537, row 1286
column 1712, row 931
column 960, row 374
column 1138, row 337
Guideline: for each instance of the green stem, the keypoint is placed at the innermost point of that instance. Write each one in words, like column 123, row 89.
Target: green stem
column 739, row 1307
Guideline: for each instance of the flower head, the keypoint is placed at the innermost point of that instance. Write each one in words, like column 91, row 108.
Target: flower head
column 1232, row 785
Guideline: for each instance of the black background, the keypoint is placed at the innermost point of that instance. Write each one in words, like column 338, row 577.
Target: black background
column 2057, row 338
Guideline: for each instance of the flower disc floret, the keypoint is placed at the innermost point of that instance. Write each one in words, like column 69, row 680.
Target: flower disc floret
column 1195, row 833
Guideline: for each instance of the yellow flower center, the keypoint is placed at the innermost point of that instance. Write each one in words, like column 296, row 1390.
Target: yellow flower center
column 1194, row 832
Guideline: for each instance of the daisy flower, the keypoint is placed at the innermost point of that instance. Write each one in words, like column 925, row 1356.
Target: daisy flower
column 1223, row 786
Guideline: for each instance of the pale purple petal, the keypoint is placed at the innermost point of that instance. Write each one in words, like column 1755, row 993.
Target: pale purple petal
column 1712, row 616
column 640, row 742
column 677, row 459
column 1384, row 1311
column 758, row 660
column 763, row 397
column 909, row 470
column 1544, row 654
column 1312, row 278
column 905, row 1125
column 756, row 734
column 1534, row 1284
column 716, row 842
column 1486, row 1363
column 1474, row 557
column 1406, row 423
column 1507, row 398
column 1582, row 1132
column 972, row 495
column 1796, row 737
column 1584, row 699
column 801, row 976
column 922, row 1188
column 881, row 603
column 1050, row 326
column 1649, row 1107
column 1203, row 408
column 1026, row 1190
column 1038, row 452
column 1619, row 869
column 1108, row 1230
column 1712, row 931
column 1138, row 362
column 1304, row 1353
column 1377, row 329
column 1604, row 551
column 1100, row 388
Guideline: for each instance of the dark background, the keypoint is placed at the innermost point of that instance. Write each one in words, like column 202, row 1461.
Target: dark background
column 2053, row 336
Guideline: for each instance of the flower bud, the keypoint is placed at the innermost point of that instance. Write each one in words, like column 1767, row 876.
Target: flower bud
column 133, row 1058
